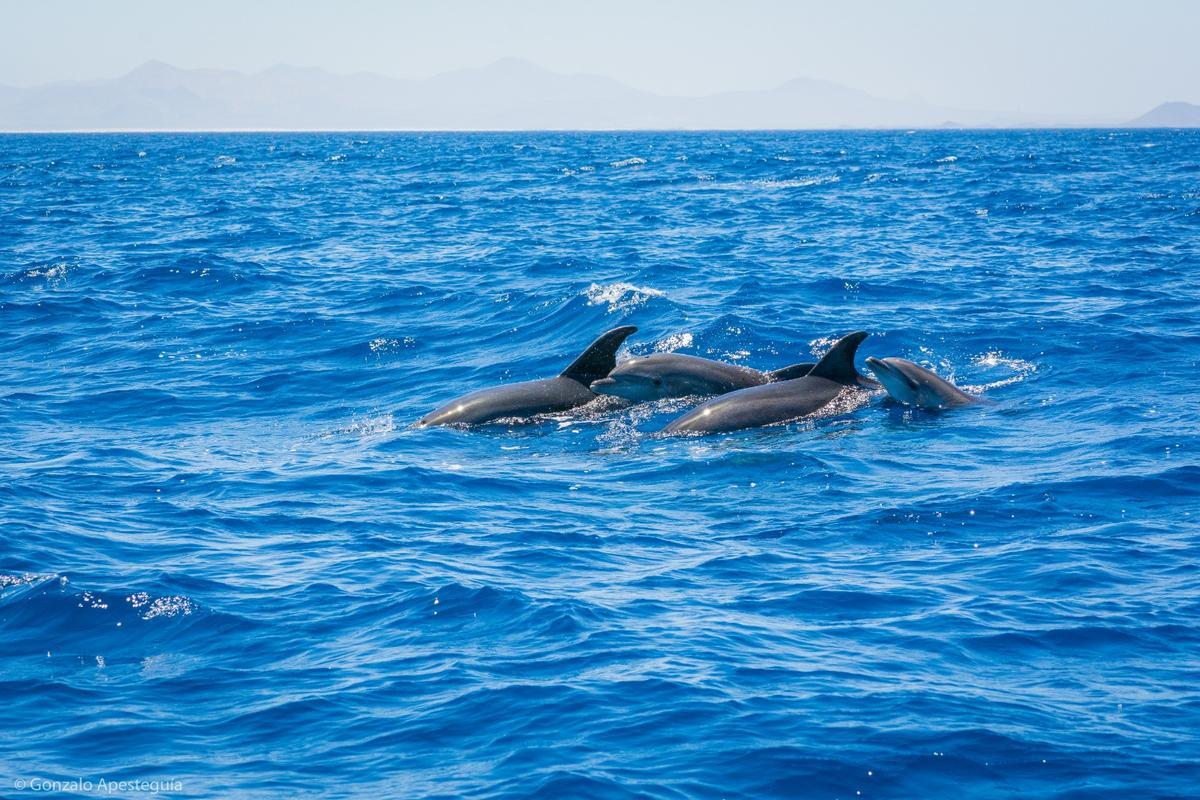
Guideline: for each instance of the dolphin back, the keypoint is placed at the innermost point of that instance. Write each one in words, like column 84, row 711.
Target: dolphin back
column 599, row 358
column 792, row 372
column 778, row 401
column 521, row 400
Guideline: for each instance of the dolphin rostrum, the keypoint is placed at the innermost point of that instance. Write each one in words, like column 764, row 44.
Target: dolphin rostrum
column 567, row 390
column 662, row 375
column 781, row 401
column 914, row 385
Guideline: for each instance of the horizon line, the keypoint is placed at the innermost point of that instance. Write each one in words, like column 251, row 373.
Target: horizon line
column 883, row 129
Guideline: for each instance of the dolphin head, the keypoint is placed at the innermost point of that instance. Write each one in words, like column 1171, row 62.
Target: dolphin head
column 914, row 385
column 642, row 379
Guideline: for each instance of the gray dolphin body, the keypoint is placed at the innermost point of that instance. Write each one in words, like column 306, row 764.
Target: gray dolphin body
column 914, row 385
column 567, row 390
column 782, row 401
column 662, row 375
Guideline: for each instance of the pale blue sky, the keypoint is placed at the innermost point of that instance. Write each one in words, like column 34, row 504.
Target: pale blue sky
column 1056, row 56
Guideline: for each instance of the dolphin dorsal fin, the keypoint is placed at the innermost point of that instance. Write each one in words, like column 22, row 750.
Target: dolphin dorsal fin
column 792, row 372
column 599, row 358
column 838, row 363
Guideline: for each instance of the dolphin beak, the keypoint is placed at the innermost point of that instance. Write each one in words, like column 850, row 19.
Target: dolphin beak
column 599, row 386
column 877, row 366
column 880, row 368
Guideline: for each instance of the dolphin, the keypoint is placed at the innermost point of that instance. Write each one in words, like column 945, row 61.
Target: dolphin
column 661, row 375
column 782, row 401
column 568, row 390
column 914, row 385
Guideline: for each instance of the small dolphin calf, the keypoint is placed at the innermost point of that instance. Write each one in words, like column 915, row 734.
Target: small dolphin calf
column 527, row 399
column 914, row 385
column 661, row 375
column 782, row 401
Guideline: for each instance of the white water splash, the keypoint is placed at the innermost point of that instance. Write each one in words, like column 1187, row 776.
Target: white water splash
column 819, row 347
column 619, row 296
column 849, row 399
column 386, row 345
column 622, row 433
column 795, row 183
column 370, row 426
column 173, row 606
column 51, row 273
column 19, row 580
column 1021, row 369
column 769, row 184
column 628, row 162
column 674, row 342
column 90, row 600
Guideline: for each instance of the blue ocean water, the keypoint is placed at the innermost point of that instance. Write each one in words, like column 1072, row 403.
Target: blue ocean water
column 228, row 564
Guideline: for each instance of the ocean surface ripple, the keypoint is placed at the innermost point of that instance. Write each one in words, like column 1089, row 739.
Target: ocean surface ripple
column 227, row 560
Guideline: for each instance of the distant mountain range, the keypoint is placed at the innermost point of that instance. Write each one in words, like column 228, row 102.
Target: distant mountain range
column 1169, row 115
column 509, row 94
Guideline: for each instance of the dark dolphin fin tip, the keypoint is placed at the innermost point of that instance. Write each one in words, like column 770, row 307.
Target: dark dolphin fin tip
column 599, row 358
column 792, row 372
column 838, row 363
